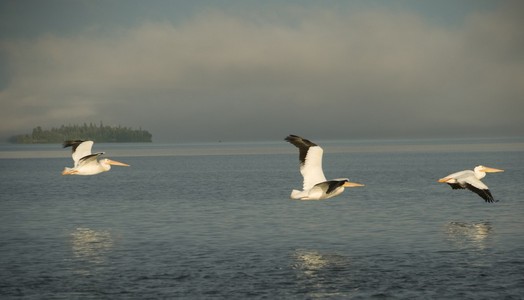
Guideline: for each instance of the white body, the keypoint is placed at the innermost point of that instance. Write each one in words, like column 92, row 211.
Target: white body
column 468, row 177
column 89, row 167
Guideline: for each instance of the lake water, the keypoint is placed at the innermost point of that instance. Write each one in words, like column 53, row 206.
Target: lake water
column 215, row 221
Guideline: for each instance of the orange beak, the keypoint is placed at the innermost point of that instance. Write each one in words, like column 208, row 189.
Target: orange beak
column 117, row 163
column 491, row 170
column 352, row 184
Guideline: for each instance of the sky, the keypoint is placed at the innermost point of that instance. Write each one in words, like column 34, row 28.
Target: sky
column 260, row 70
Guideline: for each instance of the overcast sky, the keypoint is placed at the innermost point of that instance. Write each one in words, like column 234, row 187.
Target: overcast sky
column 259, row 70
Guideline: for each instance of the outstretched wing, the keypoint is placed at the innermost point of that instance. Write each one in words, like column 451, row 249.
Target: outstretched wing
column 81, row 149
column 478, row 187
column 310, row 156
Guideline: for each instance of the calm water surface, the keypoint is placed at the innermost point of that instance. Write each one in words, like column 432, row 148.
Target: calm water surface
column 215, row 221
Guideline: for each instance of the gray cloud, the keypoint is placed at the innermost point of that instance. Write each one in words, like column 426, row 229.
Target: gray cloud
column 320, row 72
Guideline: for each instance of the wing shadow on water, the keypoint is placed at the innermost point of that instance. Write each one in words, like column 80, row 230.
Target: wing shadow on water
column 465, row 235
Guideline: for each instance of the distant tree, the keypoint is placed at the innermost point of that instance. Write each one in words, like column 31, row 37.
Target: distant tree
column 101, row 134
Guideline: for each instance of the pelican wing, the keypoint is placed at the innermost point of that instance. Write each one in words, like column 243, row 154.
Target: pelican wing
column 456, row 186
column 81, row 149
column 325, row 189
column 310, row 156
column 333, row 185
column 311, row 169
column 485, row 194
column 90, row 159
column 479, row 188
column 462, row 175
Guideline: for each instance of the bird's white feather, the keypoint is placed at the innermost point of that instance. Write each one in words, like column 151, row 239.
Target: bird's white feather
column 84, row 149
column 311, row 170
column 474, row 182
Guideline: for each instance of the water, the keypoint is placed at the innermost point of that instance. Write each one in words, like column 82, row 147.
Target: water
column 192, row 221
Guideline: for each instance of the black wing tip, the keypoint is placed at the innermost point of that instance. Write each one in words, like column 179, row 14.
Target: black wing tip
column 455, row 186
column 302, row 144
column 334, row 184
column 299, row 141
column 70, row 143
column 484, row 194
column 91, row 155
column 292, row 137
column 489, row 197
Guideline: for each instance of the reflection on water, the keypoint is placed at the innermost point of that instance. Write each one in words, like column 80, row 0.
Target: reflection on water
column 310, row 261
column 317, row 272
column 91, row 245
column 463, row 234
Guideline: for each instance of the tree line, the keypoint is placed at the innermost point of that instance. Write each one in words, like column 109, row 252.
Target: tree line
column 99, row 133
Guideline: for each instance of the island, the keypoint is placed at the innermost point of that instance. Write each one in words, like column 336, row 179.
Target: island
column 99, row 133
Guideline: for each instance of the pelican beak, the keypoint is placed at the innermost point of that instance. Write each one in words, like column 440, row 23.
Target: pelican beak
column 116, row 163
column 445, row 179
column 352, row 184
column 491, row 170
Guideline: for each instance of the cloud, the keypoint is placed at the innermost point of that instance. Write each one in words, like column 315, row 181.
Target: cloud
column 232, row 76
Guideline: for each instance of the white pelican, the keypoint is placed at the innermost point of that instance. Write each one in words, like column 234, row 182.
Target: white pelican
column 470, row 180
column 85, row 162
column 315, row 187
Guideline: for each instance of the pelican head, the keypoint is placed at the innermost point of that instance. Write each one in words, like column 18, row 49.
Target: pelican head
column 113, row 162
column 485, row 169
column 106, row 164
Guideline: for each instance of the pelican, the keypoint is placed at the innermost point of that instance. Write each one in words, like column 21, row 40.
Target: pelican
column 87, row 163
column 315, row 186
column 470, row 180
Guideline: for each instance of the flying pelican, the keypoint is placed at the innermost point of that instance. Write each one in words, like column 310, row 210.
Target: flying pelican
column 85, row 162
column 315, row 187
column 470, row 180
